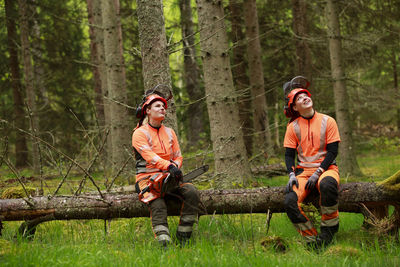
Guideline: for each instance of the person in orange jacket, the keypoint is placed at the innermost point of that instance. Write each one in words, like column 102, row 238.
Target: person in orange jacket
column 315, row 138
column 157, row 154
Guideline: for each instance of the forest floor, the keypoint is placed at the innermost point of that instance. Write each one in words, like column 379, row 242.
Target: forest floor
column 219, row 240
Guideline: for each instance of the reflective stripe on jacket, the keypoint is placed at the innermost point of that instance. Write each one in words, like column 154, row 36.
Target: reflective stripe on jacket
column 310, row 137
column 155, row 149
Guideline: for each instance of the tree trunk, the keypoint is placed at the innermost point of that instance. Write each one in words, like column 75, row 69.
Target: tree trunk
column 29, row 82
column 239, row 72
column 95, row 29
column 115, row 82
column 101, row 61
column 232, row 201
column 38, row 68
column 191, row 76
column 303, row 62
column 276, row 125
column 396, row 86
column 21, row 149
column 231, row 163
column 348, row 160
column 155, row 58
column 262, row 140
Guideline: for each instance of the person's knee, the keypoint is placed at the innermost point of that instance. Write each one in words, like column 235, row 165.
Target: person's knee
column 158, row 204
column 329, row 191
column 292, row 208
column 290, row 201
column 190, row 193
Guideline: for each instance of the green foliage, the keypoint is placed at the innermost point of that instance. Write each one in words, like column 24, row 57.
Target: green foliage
column 312, row 213
column 385, row 144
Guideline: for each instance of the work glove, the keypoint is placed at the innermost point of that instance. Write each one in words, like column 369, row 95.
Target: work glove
column 292, row 181
column 175, row 172
column 312, row 181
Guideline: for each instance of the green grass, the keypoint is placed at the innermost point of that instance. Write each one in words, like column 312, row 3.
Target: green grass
column 220, row 240
column 224, row 240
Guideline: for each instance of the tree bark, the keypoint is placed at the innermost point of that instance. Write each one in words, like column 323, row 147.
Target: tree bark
column 232, row 201
column 303, row 62
column 115, row 82
column 29, row 82
column 101, row 61
column 191, row 76
column 38, row 66
column 261, row 123
column 95, row 29
column 239, row 72
column 396, row 86
column 21, row 149
column 348, row 159
column 155, row 58
column 231, row 163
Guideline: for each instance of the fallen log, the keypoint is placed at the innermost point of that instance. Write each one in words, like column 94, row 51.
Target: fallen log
column 232, row 201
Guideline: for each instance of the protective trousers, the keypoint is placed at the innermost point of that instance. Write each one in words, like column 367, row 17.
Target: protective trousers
column 189, row 196
column 327, row 187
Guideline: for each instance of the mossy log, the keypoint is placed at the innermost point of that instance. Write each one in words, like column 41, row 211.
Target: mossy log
column 232, row 201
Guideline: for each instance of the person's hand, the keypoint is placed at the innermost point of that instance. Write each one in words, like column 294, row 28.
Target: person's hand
column 292, row 181
column 175, row 172
column 312, row 181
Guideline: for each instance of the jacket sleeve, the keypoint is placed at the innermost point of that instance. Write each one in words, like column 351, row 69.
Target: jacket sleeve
column 290, row 140
column 141, row 144
column 332, row 131
column 177, row 155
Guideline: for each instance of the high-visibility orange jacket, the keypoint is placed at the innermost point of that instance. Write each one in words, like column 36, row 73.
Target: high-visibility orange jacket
column 155, row 149
column 310, row 137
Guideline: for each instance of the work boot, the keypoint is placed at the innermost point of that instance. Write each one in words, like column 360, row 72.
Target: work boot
column 183, row 238
column 323, row 239
column 327, row 233
column 162, row 235
column 164, row 240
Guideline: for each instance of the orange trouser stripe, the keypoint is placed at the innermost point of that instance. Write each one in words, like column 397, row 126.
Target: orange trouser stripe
column 309, row 232
column 326, row 217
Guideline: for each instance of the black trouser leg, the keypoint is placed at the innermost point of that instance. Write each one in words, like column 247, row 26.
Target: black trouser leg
column 329, row 208
column 158, row 211
column 189, row 211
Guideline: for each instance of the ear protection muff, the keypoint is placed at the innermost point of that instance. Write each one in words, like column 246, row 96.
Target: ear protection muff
column 286, row 90
column 139, row 108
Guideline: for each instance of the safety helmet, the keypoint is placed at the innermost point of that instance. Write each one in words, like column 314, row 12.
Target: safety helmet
column 150, row 97
column 292, row 95
column 297, row 85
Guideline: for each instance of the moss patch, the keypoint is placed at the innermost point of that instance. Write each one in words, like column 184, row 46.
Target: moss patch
column 17, row 192
column 392, row 183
